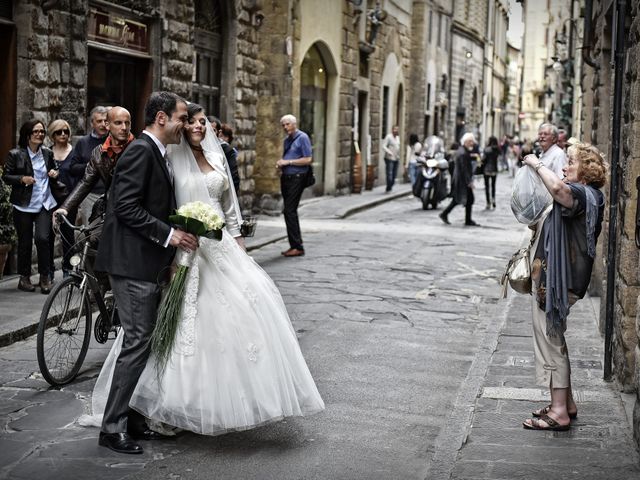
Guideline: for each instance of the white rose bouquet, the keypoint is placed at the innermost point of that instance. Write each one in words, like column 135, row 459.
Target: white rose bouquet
column 197, row 218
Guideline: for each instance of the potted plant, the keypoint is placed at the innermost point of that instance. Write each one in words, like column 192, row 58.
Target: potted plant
column 7, row 230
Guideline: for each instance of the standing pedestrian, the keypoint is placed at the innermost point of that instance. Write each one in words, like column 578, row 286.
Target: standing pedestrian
column 28, row 169
column 102, row 161
column 60, row 134
column 230, row 153
column 411, row 158
column 553, row 157
column 490, row 171
column 293, row 168
column 391, row 147
column 562, row 258
column 81, row 154
column 137, row 246
column 462, row 184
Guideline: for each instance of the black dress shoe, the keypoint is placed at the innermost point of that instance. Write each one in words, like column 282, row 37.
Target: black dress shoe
column 471, row 223
column 147, row 434
column 119, row 442
column 444, row 218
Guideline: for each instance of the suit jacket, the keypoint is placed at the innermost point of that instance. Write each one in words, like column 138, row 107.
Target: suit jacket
column 19, row 165
column 462, row 175
column 141, row 198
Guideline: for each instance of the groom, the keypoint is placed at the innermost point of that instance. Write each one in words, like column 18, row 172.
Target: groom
column 136, row 248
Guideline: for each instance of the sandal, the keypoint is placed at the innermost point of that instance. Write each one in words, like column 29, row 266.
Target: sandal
column 547, row 409
column 551, row 424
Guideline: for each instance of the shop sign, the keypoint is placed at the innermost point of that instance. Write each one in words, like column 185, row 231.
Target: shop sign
column 118, row 31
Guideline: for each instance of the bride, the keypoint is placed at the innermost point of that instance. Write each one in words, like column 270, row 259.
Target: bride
column 236, row 362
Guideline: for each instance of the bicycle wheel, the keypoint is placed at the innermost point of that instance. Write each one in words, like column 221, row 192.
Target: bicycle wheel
column 64, row 332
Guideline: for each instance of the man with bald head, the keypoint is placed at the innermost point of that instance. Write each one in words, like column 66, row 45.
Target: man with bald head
column 102, row 161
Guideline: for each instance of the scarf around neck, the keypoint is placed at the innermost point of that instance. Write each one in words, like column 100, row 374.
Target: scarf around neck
column 558, row 263
column 113, row 151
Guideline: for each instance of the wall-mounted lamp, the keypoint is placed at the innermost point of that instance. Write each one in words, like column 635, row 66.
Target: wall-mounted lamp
column 468, row 54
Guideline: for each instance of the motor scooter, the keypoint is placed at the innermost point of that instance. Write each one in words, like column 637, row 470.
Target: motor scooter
column 432, row 183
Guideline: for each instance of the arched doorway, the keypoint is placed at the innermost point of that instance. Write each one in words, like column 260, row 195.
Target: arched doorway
column 313, row 109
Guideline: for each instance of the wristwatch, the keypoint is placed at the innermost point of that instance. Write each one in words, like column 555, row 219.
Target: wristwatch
column 538, row 166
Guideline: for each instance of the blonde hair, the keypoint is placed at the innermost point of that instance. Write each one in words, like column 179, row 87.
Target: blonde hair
column 57, row 124
column 593, row 168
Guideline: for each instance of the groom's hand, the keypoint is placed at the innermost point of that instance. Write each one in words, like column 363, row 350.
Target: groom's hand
column 183, row 240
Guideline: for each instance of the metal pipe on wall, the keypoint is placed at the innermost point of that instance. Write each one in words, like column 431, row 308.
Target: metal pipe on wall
column 618, row 92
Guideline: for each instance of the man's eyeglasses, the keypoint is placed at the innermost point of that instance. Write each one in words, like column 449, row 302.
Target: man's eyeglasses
column 37, row 132
column 61, row 131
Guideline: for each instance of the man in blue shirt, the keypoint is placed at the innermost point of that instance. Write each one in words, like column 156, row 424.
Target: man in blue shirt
column 293, row 168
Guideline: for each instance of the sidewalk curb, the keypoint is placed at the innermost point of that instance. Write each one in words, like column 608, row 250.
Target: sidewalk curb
column 30, row 329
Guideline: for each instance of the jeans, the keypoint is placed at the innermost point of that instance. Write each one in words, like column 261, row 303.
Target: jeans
column 392, row 171
column 292, row 187
column 413, row 172
column 24, row 223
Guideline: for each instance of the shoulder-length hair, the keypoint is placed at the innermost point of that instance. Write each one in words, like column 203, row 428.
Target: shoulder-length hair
column 58, row 124
column 25, row 131
column 592, row 168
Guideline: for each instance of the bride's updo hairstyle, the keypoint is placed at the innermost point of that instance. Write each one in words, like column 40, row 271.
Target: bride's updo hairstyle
column 193, row 109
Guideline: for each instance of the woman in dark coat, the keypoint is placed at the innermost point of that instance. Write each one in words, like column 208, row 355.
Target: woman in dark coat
column 28, row 169
column 462, row 182
column 490, row 171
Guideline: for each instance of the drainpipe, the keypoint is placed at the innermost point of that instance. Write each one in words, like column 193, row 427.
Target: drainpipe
column 587, row 42
column 619, row 12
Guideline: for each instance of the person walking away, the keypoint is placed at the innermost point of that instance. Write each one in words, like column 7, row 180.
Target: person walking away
column 28, row 169
column 553, row 157
column 81, row 154
column 414, row 149
column 490, row 171
column 136, row 249
column 60, row 135
column 561, row 262
column 293, row 168
column 391, row 148
column 462, row 184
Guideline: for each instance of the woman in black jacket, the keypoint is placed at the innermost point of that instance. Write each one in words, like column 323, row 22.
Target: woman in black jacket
column 28, row 169
column 490, row 171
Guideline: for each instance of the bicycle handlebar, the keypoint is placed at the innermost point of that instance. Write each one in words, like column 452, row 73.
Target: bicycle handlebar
column 81, row 228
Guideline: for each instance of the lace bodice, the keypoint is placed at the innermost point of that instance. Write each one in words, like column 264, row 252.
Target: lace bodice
column 216, row 185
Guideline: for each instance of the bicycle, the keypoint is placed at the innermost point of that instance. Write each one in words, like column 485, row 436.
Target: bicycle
column 64, row 330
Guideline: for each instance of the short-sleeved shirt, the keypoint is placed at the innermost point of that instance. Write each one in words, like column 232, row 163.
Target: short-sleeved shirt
column 295, row 147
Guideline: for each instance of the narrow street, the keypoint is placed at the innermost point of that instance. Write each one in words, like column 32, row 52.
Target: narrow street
column 393, row 310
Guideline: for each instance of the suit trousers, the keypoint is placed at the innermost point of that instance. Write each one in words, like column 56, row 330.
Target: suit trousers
column 137, row 302
column 467, row 208
column 24, row 223
column 292, row 187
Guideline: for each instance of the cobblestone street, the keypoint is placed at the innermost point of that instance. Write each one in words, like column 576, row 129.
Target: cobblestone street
column 398, row 318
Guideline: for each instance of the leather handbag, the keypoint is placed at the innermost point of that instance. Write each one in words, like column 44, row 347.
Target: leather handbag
column 310, row 179
column 58, row 189
column 518, row 273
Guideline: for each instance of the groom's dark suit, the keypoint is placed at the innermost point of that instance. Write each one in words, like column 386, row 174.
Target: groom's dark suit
column 132, row 251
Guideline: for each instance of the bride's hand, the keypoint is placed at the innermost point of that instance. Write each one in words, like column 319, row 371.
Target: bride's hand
column 240, row 241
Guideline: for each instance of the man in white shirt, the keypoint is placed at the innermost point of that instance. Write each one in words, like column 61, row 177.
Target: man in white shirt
column 553, row 157
column 391, row 147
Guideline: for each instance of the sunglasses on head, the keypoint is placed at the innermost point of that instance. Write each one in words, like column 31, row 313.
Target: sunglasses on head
column 61, row 131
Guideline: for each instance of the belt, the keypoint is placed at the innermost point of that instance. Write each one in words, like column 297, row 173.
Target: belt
column 295, row 175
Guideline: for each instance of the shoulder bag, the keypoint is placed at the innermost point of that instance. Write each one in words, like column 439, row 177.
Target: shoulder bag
column 518, row 272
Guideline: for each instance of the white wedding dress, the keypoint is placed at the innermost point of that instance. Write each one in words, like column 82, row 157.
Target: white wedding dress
column 236, row 362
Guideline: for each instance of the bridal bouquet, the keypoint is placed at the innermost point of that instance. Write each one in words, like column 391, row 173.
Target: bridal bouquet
column 197, row 218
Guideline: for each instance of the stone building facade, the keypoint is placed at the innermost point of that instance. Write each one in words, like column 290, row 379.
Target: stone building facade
column 597, row 119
